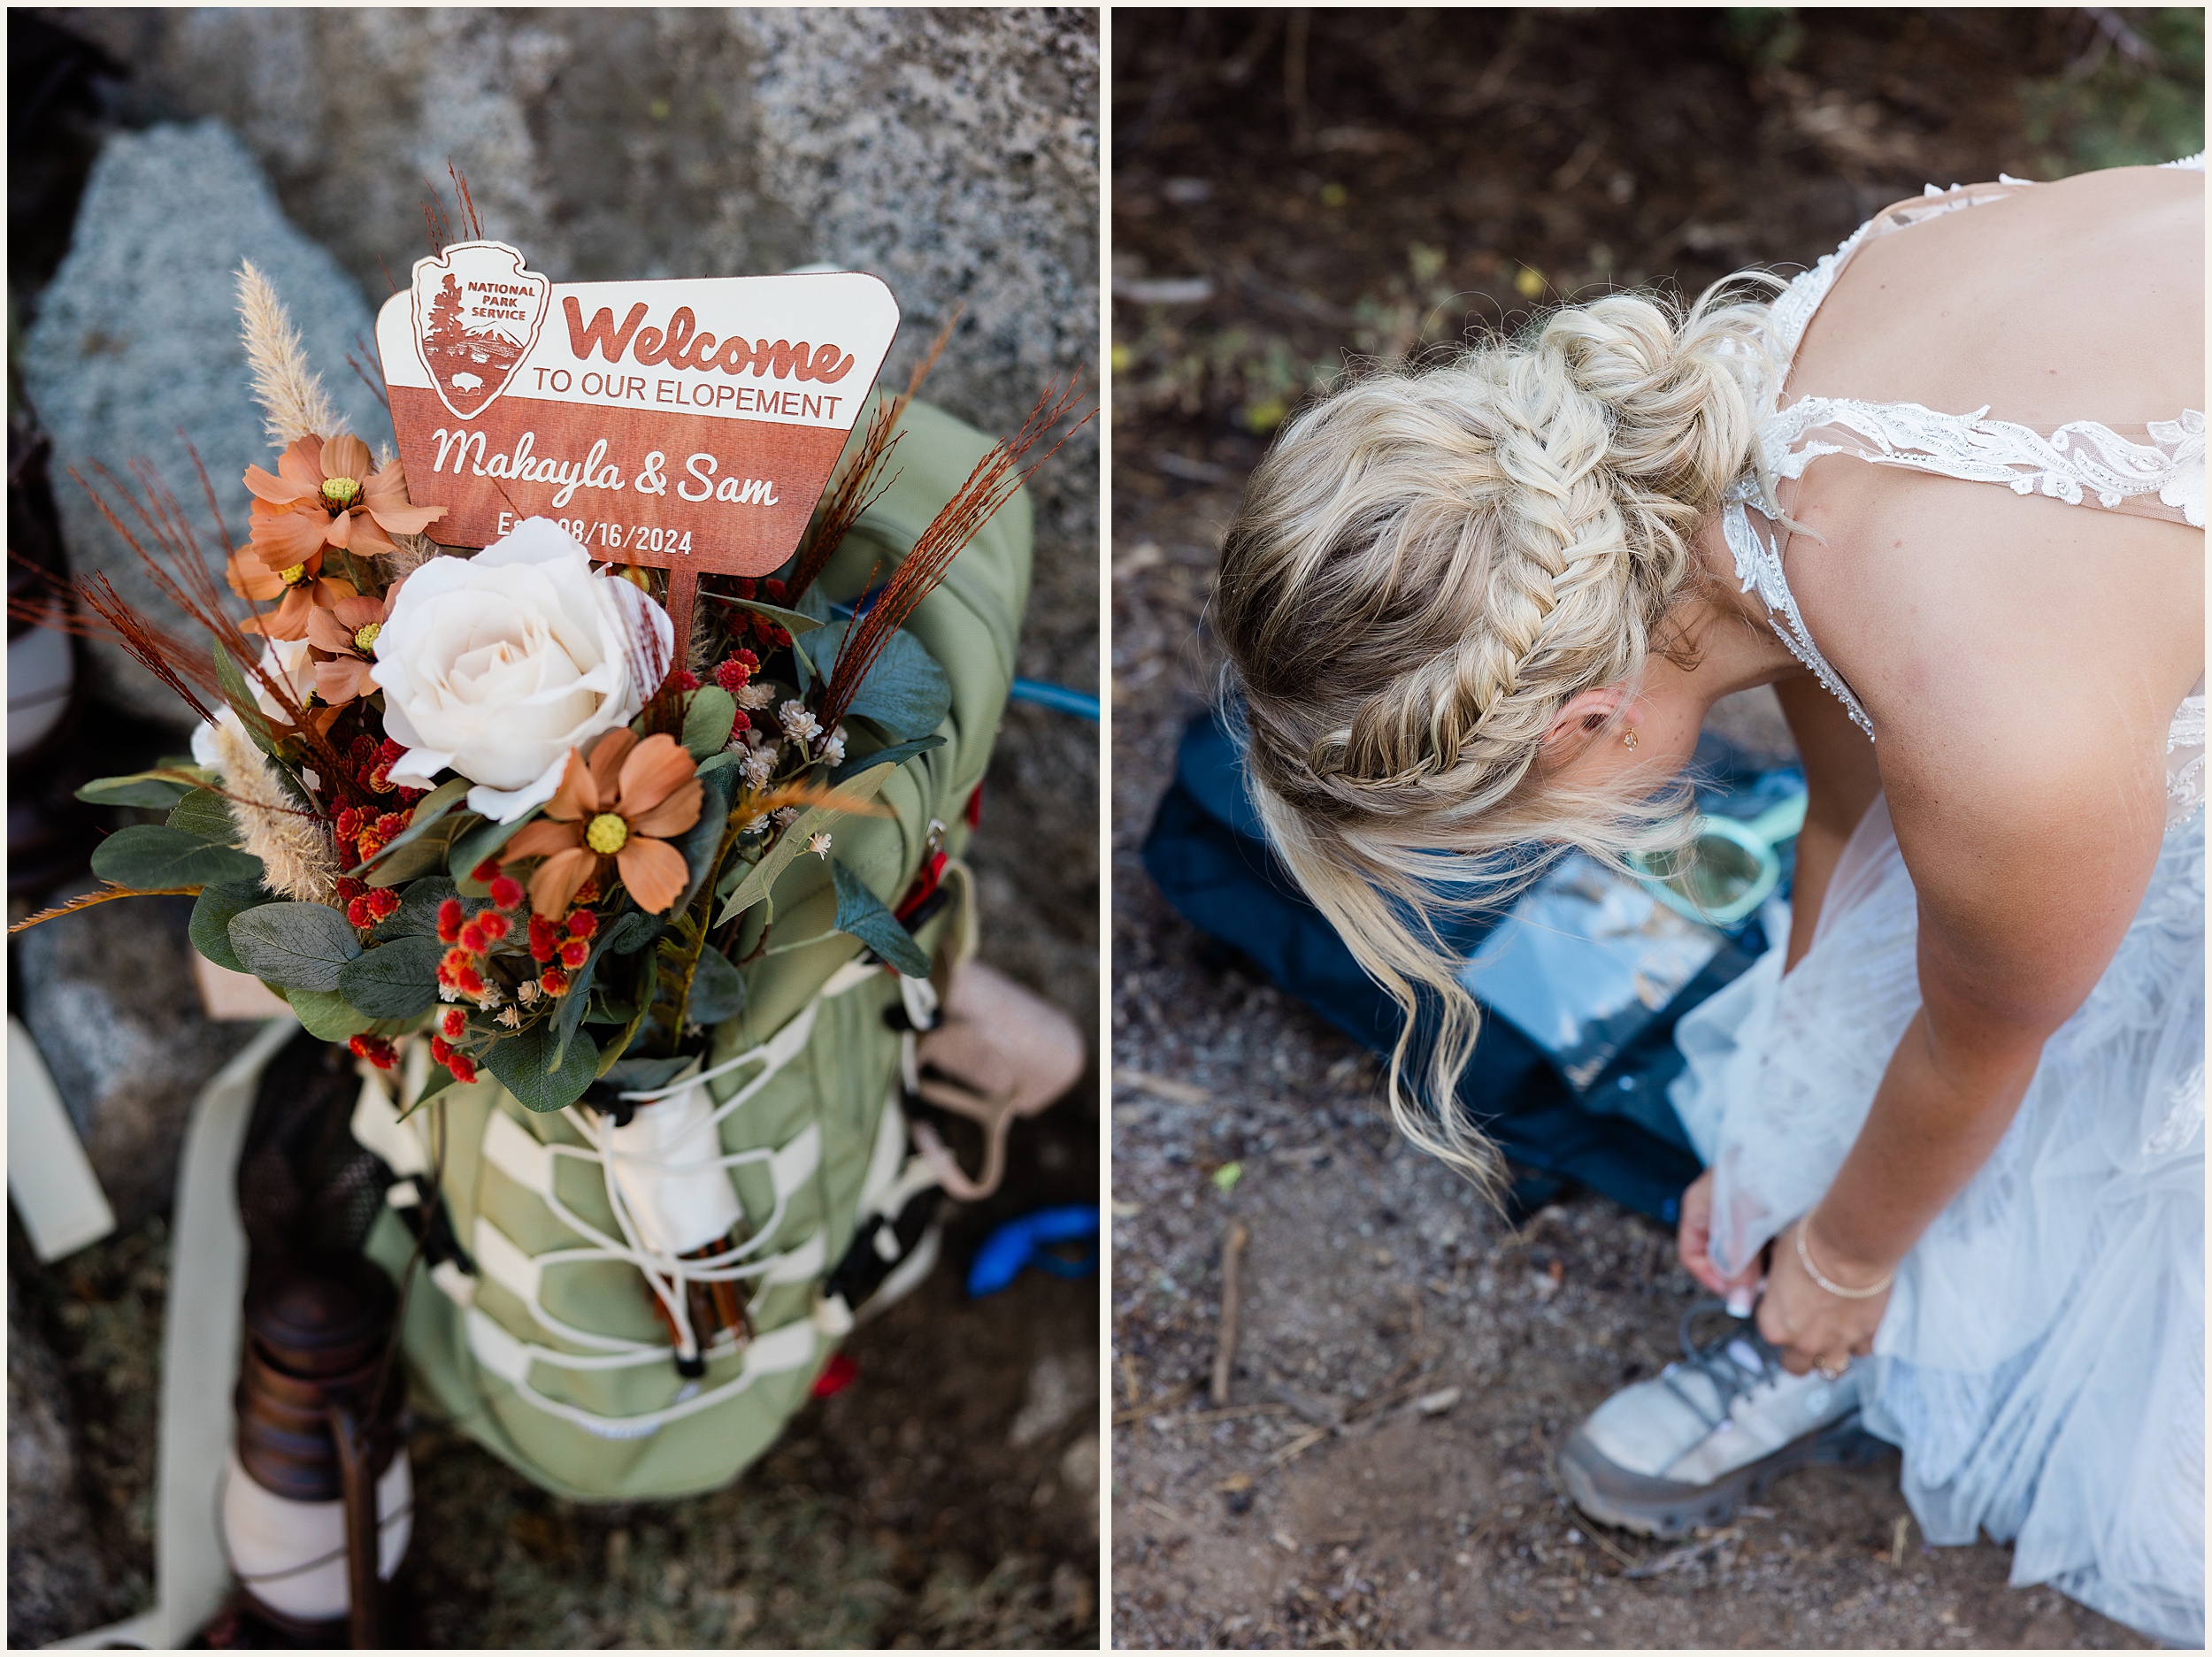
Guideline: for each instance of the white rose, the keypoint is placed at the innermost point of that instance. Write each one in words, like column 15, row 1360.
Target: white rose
column 496, row 666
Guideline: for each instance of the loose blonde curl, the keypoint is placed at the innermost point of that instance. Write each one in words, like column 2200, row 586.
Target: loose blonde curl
column 1428, row 565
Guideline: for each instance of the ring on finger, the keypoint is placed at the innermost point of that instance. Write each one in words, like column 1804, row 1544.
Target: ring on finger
column 1832, row 1368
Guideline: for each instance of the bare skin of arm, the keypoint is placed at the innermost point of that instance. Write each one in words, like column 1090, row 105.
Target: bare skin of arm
column 2030, row 815
column 1841, row 779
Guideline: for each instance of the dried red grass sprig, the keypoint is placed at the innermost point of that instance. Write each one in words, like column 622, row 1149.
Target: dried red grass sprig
column 433, row 215
column 191, row 587
column 107, row 894
column 857, row 490
column 989, row 486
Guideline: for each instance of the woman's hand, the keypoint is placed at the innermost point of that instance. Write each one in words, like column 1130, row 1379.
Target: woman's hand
column 1812, row 1327
column 1693, row 1242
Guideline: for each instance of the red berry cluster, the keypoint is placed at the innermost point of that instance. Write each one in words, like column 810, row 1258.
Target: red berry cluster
column 376, row 1050
column 372, row 761
column 737, row 672
column 682, row 680
column 561, row 948
column 365, row 904
column 367, row 832
column 462, row 1066
column 471, row 939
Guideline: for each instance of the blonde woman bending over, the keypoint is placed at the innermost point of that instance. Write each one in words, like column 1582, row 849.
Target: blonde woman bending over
column 1944, row 494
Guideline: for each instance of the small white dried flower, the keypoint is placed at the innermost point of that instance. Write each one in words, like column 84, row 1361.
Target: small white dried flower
column 490, row 997
column 798, row 721
column 527, row 991
column 784, row 816
column 511, row 1016
column 759, row 766
column 819, row 843
column 755, row 696
column 833, row 750
column 446, row 993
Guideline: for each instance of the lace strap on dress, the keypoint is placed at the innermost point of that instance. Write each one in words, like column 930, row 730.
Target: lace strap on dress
column 1759, row 567
column 2185, row 758
column 2078, row 462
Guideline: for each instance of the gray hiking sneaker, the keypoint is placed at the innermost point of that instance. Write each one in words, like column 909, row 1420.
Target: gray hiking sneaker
column 1691, row 1445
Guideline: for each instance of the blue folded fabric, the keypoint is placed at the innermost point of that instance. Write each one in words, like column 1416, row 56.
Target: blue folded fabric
column 1029, row 1241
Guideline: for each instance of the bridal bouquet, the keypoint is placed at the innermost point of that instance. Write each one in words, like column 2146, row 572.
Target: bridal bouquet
column 491, row 798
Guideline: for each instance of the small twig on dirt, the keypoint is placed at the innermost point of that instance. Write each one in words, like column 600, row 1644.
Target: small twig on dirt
column 1139, row 1412
column 1298, row 1446
column 1129, row 1376
column 1160, row 1087
column 1201, row 1416
column 1225, row 1331
column 1599, row 1537
column 1689, row 1553
column 1898, row 1533
column 1315, row 1412
column 1163, row 1509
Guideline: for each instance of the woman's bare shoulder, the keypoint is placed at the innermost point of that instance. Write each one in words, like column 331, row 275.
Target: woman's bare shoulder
column 2020, row 659
column 2081, row 300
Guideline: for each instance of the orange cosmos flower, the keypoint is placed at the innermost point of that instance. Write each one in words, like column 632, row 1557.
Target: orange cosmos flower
column 620, row 807
column 324, row 495
column 344, row 638
column 304, row 588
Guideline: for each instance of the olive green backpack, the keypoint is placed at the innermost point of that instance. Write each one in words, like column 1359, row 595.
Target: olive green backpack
column 528, row 1330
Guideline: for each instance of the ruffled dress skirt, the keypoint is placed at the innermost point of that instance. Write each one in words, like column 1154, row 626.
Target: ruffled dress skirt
column 2041, row 1361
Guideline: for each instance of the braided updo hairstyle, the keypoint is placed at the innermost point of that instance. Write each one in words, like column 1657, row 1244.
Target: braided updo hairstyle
column 1427, row 566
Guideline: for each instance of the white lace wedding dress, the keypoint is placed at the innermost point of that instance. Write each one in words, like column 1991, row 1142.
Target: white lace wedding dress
column 2041, row 1362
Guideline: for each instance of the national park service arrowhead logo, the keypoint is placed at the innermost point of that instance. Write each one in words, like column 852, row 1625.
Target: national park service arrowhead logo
column 476, row 316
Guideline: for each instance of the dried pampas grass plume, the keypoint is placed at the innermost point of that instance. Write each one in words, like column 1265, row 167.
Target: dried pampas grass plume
column 291, row 393
column 297, row 858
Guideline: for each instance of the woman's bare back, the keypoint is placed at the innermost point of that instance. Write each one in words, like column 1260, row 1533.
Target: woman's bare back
column 2020, row 657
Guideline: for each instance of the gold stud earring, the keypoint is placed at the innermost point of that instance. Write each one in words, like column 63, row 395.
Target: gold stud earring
column 1630, row 739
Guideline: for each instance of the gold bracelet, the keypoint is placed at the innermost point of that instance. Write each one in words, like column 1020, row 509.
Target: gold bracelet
column 1836, row 1289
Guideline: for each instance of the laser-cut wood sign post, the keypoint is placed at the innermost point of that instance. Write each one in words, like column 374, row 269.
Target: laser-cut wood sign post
column 685, row 426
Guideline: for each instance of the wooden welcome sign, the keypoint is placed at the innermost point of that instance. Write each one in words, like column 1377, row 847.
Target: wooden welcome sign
column 684, row 425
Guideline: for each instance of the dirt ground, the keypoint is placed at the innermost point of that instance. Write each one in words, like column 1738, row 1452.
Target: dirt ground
column 1290, row 190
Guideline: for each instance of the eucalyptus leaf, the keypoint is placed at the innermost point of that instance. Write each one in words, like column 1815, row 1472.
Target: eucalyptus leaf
column 577, row 1001
column 633, row 933
column 154, row 790
column 431, row 812
column 524, row 1065
column 417, row 915
column 755, row 883
column 717, row 989
column 212, row 913
column 441, row 1078
column 238, row 692
column 704, row 840
column 479, row 843
column 151, row 858
column 642, row 1075
column 394, row 980
column 708, row 719
column 867, row 917
column 300, row 945
column 417, row 856
column 898, row 753
column 205, row 816
column 716, row 762
column 326, row 1015
column 792, row 621
column 905, row 693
